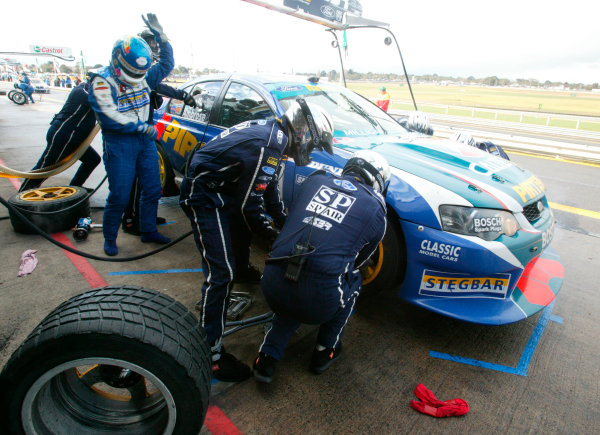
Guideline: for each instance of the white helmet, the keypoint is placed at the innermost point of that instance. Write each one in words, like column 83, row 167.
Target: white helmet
column 372, row 167
column 465, row 138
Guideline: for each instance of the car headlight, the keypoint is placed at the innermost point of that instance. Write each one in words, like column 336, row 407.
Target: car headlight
column 486, row 223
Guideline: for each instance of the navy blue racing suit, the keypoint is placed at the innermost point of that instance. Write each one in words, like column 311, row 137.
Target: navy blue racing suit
column 123, row 112
column 343, row 221
column 26, row 87
column 223, row 196
column 68, row 129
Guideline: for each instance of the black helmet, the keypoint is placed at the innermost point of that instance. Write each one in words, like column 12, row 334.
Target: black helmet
column 310, row 127
column 372, row 167
column 148, row 36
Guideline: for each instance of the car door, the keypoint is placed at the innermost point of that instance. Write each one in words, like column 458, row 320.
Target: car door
column 182, row 126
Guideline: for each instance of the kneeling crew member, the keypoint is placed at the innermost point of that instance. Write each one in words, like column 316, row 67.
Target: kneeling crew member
column 312, row 275
column 222, row 195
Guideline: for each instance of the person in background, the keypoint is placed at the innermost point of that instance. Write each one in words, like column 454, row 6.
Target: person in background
column 26, row 87
column 312, row 274
column 68, row 129
column 120, row 96
column 222, row 194
column 384, row 99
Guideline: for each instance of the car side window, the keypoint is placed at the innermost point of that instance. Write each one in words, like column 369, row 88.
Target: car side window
column 204, row 94
column 243, row 103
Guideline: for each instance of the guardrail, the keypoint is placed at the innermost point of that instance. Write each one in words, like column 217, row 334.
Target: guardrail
column 574, row 122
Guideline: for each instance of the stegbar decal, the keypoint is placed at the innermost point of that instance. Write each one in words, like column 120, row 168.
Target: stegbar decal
column 436, row 283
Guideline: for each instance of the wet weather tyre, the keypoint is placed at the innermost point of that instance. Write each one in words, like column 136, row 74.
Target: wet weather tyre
column 387, row 265
column 18, row 98
column 167, row 175
column 51, row 208
column 119, row 360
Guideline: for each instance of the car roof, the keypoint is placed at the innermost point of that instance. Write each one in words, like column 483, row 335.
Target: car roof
column 257, row 79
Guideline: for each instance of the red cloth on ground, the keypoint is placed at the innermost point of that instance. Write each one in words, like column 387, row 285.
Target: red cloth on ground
column 431, row 405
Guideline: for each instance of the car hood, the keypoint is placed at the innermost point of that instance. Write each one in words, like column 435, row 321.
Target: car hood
column 481, row 178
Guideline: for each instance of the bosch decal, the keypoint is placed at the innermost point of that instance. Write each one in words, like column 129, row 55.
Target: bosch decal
column 548, row 235
column 330, row 204
column 445, row 284
column 490, row 224
column 440, row 250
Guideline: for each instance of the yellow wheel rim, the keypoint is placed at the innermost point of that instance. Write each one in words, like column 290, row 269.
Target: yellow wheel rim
column 161, row 170
column 48, row 193
column 371, row 271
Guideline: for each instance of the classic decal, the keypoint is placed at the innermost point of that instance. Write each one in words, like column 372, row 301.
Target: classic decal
column 440, row 250
column 436, row 283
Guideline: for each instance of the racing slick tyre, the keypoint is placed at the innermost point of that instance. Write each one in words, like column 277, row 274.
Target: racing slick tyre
column 18, row 98
column 167, row 176
column 52, row 202
column 119, row 360
column 387, row 265
column 10, row 93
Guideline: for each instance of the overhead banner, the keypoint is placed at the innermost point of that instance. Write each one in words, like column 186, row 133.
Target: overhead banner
column 47, row 49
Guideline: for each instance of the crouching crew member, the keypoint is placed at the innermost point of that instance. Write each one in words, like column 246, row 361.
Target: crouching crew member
column 222, row 195
column 120, row 96
column 312, row 275
column 68, row 129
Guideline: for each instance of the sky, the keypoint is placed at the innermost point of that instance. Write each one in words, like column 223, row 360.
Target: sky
column 544, row 40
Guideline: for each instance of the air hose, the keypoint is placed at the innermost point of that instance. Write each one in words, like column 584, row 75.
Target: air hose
column 56, row 168
column 85, row 254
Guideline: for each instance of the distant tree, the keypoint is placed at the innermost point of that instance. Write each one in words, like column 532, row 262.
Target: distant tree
column 65, row 69
column 48, row 67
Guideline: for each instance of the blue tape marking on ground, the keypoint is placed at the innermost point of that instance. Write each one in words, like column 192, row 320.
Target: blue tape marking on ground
column 148, row 272
column 526, row 356
column 166, row 223
column 473, row 362
column 214, row 381
column 535, row 338
column 556, row 319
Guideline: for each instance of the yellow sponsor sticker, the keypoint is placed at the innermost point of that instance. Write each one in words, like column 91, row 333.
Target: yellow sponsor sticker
column 272, row 161
column 530, row 188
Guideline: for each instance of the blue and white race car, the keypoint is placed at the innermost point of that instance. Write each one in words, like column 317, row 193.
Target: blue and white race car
column 468, row 233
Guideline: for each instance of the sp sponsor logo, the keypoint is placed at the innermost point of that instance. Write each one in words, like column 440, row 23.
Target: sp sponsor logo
column 330, row 204
column 445, row 284
column 300, row 179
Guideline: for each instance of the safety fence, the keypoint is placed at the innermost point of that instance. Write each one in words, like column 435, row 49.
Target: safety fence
column 583, row 123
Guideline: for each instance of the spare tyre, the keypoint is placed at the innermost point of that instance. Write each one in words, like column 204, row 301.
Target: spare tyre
column 53, row 208
column 118, row 360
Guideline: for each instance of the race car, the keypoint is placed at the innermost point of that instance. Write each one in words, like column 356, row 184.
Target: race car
column 468, row 232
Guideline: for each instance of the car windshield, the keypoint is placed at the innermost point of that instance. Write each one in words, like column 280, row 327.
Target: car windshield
column 352, row 114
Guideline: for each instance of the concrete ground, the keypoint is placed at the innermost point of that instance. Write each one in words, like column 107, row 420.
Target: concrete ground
column 540, row 375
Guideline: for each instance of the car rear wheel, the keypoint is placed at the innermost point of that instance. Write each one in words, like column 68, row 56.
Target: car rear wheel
column 123, row 360
column 387, row 265
column 167, row 176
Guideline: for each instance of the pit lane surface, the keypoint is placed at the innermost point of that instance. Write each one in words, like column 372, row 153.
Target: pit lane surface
column 390, row 346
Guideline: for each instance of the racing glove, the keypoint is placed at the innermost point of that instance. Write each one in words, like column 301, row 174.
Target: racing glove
column 189, row 100
column 148, row 130
column 154, row 26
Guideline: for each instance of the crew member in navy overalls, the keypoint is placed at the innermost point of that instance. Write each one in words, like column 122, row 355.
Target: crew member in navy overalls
column 312, row 275
column 120, row 96
column 131, row 217
column 223, row 196
column 68, row 129
column 26, row 87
